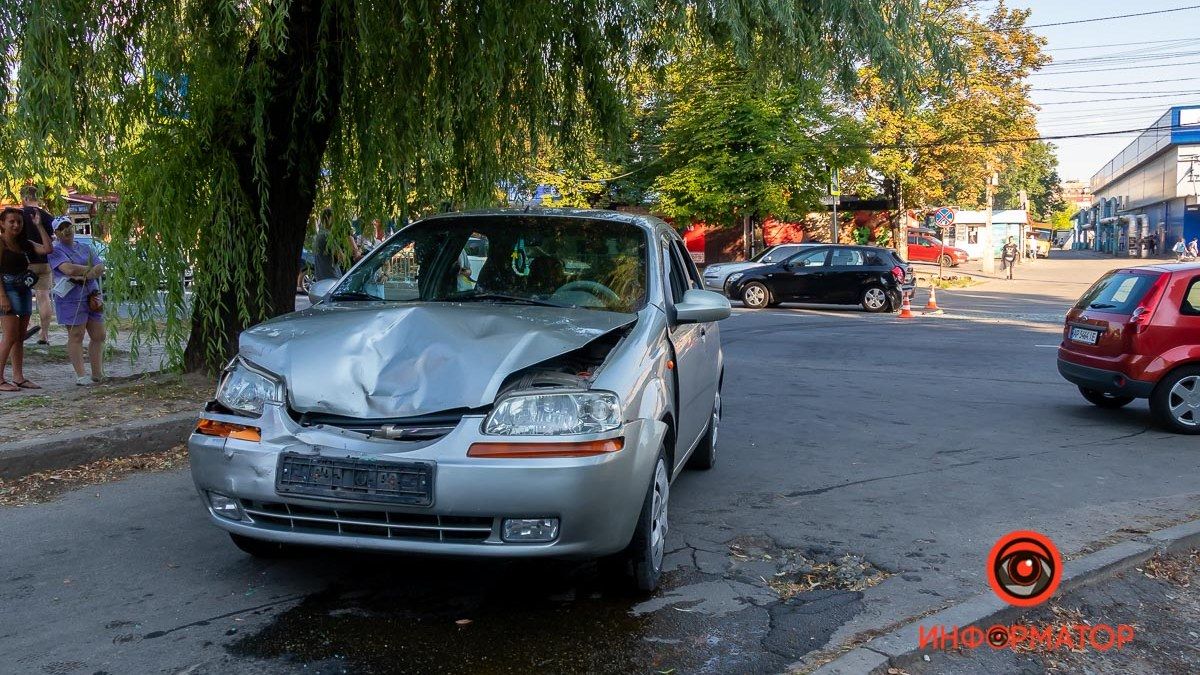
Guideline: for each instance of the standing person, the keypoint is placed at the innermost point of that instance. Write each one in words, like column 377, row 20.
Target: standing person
column 1193, row 249
column 77, row 271
column 1180, row 248
column 1009, row 255
column 37, row 261
column 16, row 302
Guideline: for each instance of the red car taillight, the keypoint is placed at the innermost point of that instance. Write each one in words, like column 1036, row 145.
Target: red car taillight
column 1144, row 312
column 898, row 272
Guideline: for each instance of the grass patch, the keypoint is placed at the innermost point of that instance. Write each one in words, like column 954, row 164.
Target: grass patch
column 27, row 402
column 950, row 282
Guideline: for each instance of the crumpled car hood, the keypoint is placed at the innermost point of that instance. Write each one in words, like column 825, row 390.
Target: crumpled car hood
column 372, row 361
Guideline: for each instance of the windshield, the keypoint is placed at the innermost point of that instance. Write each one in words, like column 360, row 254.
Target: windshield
column 764, row 253
column 564, row 262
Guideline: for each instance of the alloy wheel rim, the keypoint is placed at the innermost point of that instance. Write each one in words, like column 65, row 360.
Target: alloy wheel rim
column 1184, row 401
column 716, row 424
column 658, row 519
column 874, row 298
column 755, row 295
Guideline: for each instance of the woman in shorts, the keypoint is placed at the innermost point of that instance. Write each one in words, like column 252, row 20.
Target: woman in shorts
column 16, row 302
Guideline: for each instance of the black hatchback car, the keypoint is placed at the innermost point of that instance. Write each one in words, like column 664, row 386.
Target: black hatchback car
column 869, row 276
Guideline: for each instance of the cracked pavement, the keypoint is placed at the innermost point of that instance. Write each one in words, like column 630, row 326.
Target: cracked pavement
column 911, row 444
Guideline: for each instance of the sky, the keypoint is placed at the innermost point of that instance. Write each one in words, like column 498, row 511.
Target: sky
column 1145, row 48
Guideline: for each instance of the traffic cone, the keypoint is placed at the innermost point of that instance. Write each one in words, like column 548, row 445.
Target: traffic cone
column 905, row 309
column 931, row 307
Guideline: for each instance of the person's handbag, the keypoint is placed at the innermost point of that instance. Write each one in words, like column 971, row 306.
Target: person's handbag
column 95, row 303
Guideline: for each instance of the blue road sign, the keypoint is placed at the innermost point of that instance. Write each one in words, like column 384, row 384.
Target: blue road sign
column 943, row 217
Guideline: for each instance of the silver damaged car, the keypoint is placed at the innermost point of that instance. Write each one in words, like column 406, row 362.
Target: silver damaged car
column 512, row 384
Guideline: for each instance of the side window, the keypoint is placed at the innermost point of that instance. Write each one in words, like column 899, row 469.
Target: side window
column 811, row 259
column 845, row 257
column 689, row 266
column 470, row 261
column 675, row 274
column 1191, row 300
column 913, row 240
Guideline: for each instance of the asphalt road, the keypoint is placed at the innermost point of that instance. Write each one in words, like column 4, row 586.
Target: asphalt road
column 911, row 444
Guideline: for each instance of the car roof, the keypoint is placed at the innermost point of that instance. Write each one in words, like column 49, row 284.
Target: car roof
column 1168, row 267
column 647, row 222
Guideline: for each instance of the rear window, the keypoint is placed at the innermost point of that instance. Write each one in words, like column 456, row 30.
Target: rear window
column 1117, row 292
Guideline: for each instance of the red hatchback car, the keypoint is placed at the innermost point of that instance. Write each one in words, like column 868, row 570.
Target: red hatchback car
column 1136, row 334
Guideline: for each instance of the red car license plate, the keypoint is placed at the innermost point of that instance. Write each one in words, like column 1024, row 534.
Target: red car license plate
column 1084, row 335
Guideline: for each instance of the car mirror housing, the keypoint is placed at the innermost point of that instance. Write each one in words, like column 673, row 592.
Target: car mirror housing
column 701, row 307
column 320, row 289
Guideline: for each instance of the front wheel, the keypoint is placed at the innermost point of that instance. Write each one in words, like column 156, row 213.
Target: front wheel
column 874, row 299
column 947, row 261
column 705, row 455
column 1176, row 401
column 756, row 295
column 1103, row 400
column 645, row 553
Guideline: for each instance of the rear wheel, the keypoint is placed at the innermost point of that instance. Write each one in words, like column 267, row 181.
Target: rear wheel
column 705, row 456
column 874, row 299
column 1103, row 400
column 260, row 548
column 1176, row 401
column 644, row 556
column 756, row 296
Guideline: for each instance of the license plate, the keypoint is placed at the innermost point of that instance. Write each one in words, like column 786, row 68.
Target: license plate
column 408, row 483
column 1085, row 336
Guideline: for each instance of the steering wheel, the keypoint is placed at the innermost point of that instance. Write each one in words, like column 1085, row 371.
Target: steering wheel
column 593, row 288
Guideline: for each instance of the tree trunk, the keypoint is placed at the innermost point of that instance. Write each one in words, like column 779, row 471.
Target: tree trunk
column 299, row 126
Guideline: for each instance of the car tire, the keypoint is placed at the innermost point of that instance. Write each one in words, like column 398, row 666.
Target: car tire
column 1103, row 400
column 644, row 556
column 261, row 548
column 1180, row 388
column 947, row 261
column 874, row 299
column 756, row 296
column 705, row 455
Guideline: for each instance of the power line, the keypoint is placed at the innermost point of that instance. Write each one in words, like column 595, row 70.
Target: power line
column 1106, row 70
column 1026, row 139
column 1119, row 98
column 1114, row 84
column 1103, row 18
column 1118, row 44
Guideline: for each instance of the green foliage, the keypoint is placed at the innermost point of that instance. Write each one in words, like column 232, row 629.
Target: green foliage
column 1060, row 219
column 1035, row 171
column 380, row 109
column 939, row 148
column 735, row 145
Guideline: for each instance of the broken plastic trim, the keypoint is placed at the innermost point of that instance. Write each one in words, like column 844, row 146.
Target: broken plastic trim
column 206, row 427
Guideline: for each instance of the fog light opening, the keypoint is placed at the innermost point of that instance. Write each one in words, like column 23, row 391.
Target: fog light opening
column 224, row 506
column 530, row 530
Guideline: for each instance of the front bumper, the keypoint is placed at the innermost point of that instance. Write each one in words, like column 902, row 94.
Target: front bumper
column 1103, row 380
column 596, row 499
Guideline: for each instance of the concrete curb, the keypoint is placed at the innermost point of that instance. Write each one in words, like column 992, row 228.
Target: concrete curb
column 77, row 447
column 899, row 648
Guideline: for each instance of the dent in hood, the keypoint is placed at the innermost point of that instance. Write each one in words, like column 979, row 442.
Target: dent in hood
column 374, row 360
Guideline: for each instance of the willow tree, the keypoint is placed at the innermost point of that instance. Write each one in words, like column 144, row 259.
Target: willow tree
column 221, row 123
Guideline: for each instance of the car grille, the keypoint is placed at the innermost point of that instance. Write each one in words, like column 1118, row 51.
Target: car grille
column 424, row 428
column 370, row 523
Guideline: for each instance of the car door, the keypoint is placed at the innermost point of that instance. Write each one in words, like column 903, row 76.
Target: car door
column 919, row 248
column 801, row 277
column 695, row 363
column 846, row 276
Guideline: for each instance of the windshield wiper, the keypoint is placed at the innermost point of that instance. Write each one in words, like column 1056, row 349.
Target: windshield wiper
column 353, row 295
column 500, row 297
column 1100, row 305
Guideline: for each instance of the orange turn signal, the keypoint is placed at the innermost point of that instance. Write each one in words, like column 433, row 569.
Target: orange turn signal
column 228, row 430
column 545, row 450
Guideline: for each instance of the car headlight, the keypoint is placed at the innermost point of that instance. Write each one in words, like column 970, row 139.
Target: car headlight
column 586, row 412
column 244, row 390
column 735, row 276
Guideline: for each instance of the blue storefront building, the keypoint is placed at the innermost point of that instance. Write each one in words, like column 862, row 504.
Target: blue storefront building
column 1145, row 198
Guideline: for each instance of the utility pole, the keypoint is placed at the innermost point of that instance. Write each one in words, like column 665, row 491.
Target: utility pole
column 989, row 260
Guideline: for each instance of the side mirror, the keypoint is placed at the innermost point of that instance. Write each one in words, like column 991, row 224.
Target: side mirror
column 701, row 307
column 319, row 289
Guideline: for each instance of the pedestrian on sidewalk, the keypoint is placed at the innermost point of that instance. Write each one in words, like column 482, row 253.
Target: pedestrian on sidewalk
column 77, row 300
column 1193, row 249
column 37, row 262
column 1180, row 249
column 1009, row 255
column 16, row 302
